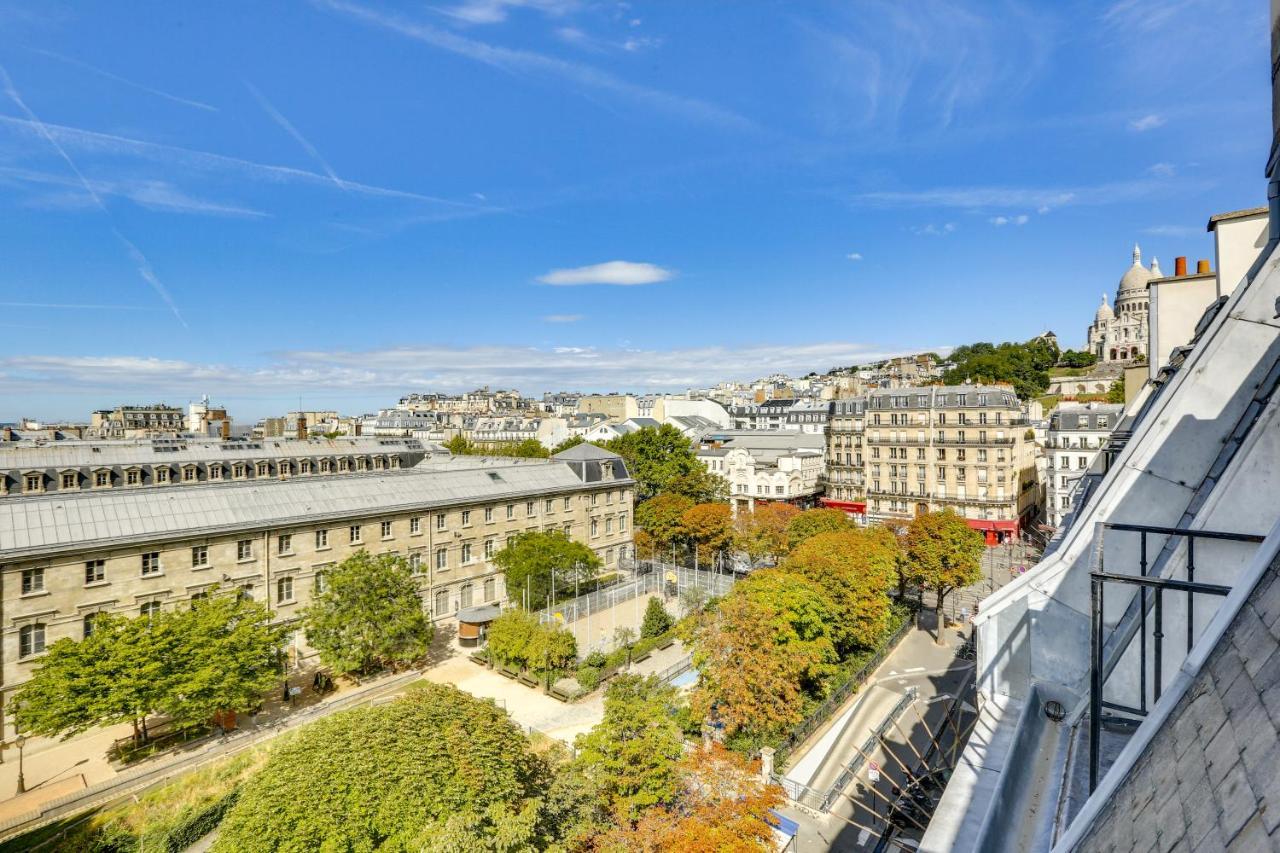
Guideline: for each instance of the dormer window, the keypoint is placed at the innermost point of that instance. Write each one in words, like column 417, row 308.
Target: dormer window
column 325, row 466
column 132, row 476
column 32, row 482
column 188, row 473
column 101, row 479
column 70, row 480
column 162, row 475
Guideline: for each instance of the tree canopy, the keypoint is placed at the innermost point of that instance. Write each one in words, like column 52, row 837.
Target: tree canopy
column 856, row 569
column 943, row 553
column 631, row 755
column 1024, row 365
column 657, row 621
column 709, row 527
column 437, row 763
column 368, row 616
column 763, row 532
column 662, row 461
column 1077, row 358
column 662, row 518
column 811, row 522
column 530, row 559
column 529, row 448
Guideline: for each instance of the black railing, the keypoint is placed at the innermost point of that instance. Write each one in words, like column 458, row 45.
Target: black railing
column 1158, row 586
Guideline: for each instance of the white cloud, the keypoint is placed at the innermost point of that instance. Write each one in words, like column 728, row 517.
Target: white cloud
column 1172, row 231
column 932, row 230
column 563, row 318
column 496, row 11
column 1148, row 122
column 1043, row 209
column 854, row 256
column 621, row 273
column 394, row 371
column 1026, row 198
column 1020, row 219
column 999, row 220
column 287, row 127
column 1162, row 170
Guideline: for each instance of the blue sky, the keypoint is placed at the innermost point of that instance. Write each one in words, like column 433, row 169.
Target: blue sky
column 343, row 201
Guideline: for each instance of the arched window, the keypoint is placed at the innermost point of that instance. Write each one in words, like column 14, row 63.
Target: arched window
column 466, row 595
column 490, row 590
column 442, row 602
column 31, row 640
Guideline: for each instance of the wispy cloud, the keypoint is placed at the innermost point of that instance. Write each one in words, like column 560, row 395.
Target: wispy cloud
column 150, row 194
column 144, row 266
column 1173, row 231
column 1030, row 198
column 1147, row 122
column 124, row 81
column 515, row 61
column 76, row 306
column 1020, row 219
column 563, row 318
column 1162, row 170
column 854, row 256
column 497, row 11
column 288, row 128
column 931, row 230
column 621, row 273
column 531, row 369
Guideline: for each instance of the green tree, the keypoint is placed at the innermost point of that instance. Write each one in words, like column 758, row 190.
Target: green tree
column 369, row 615
column 1023, row 365
column 762, row 533
column 510, row 638
column 460, row 446
column 529, row 560
column 662, row 461
column 662, row 518
column 632, row 754
column 856, row 569
column 1077, row 358
column 943, row 553
column 657, row 621
column 529, row 448
column 390, row 777
column 571, row 441
column 553, row 649
column 230, row 656
column 811, row 522
column 1115, row 394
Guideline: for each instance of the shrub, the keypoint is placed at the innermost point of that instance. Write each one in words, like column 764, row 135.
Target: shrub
column 656, row 619
column 589, row 677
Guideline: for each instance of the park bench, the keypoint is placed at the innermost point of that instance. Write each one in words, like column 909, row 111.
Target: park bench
column 508, row 673
column 526, row 678
column 562, row 695
column 666, row 644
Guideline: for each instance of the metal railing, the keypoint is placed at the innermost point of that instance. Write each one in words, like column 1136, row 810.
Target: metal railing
column 873, row 740
column 651, row 576
column 1157, row 586
column 676, row 670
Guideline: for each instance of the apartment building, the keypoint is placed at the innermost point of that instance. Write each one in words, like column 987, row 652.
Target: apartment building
column 66, row 557
column 68, row 467
column 1076, row 434
column 784, row 466
column 899, row 452
column 137, row 421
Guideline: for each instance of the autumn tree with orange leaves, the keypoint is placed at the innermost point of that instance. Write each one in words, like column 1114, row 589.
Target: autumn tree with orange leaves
column 710, row 528
column 762, row 533
column 856, row 568
column 722, row 807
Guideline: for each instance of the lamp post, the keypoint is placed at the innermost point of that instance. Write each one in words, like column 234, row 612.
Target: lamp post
column 20, row 741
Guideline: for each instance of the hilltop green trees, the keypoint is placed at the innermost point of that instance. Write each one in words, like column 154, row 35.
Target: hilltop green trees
column 531, row 559
column 435, row 764
column 1025, row 366
column 222, row 654
column 368, row 615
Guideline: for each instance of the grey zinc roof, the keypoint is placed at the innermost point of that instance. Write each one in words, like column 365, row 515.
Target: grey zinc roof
column 32, row 525
column 585, row 452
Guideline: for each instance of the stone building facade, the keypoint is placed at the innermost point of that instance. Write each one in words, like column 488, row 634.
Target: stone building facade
column 65, row 557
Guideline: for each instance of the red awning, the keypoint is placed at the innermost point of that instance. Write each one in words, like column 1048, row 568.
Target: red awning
column 990, row 524
column 859, row 507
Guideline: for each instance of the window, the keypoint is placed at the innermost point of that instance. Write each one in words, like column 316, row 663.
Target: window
column 465, row 596
column 102, row 478
column 549, row 505
column 622, row 524
column 511, row 511
column 244, row 549
column 95, row 571
column 442, row 602
column 322, row 539
column 245, row 592
column 150, row 609
column 442, row 558
column 215, row 472
column 87, row 624
column 151, row 563
column 30, row 640
column 567, row 504
column 466, row 518
column 198, row 597
column 32, row 482
column 488, row 514
column 32, row 581
column 199, row 556
column 386, row 530
column 284, row 543
column 284, row 589
column 608, row 522
column 595, row 498
column 466, row 553
column 488, row 549
column 415, row 525
column 188, row 475
column 131, row 477
column 305, row 466
column 595, row 527
column 528, row 508
column 490, row 590
column 354, row 533
column 237, row 471
column 68, row 481
column 415, row 562
column 263, row 469
column 440, row 521
column 161, row 475
column 325, row 466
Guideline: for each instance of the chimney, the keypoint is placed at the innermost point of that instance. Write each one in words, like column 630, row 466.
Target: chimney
column 1180, row 266
column 226, row 429
column 302, row 427
column 1202, row 266
column 359, row 427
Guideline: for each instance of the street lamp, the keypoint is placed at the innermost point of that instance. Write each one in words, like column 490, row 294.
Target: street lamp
column 20, row 741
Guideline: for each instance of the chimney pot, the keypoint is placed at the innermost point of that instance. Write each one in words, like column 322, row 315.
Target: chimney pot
column 1180, row 266
column 1202, row 266
column 302, row 428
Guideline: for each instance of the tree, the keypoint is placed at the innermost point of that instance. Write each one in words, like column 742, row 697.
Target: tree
column 510, row 638
column 662, row 461
column 230, row 654
column 721, row 805
column 381, row 777
column 531, row 558
column 552, row 650
column 762, row 533
column 529, row 448
column 1077, row 358
column 856, row 569
column 657, row 621
column 709, row 527
column 811, row 522
column 1115, row 394
column 631, row 755
column 571, row 441
column 662, row 518
column 460, row 446
column 369, row 615
column 943, row 553
column 1023, row 365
